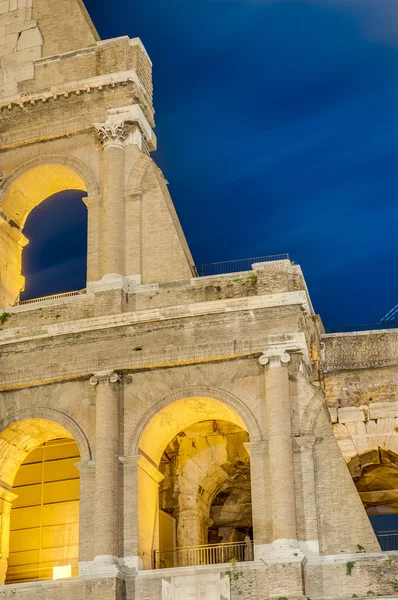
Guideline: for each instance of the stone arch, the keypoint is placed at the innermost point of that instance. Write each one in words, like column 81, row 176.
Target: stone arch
column 20, row 434
column 135, row 182
column 51, row 415
column 375, row 473
column 25, row 188
column 171, row 415
column 54, row 162
column 314, row 409
column 219, row 396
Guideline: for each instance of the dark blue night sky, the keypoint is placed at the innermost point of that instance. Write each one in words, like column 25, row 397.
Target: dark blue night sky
column 278, row 133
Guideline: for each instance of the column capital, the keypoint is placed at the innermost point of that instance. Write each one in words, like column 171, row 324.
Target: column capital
column 6, row 494
column 278, row 348
column 304, row 443
column 6, row 228
column 274, row 358
column 104, row 377
column 90, row 201
column 112, row 133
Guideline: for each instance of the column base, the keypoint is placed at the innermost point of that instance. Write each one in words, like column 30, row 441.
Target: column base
column 101, row 566
column 279, row 551
column 132, row 563
column 113, row 281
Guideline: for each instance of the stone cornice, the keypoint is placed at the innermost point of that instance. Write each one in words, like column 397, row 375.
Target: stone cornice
column 24, row 334
column 77, row 87
column 360, row 350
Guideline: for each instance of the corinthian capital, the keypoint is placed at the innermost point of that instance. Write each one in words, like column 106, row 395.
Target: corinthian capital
column 112, row 132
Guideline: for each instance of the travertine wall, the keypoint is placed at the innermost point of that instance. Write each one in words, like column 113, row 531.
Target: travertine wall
column 361, row 382
column 148, row 350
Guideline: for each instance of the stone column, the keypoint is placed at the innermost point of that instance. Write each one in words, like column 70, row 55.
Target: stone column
column 107, row 466
column 112, row 135
column 279, row 426
column 6, row 499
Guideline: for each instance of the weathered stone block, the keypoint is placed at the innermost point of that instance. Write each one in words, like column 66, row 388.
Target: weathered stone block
column 4, row 6
column 21, row 57
column 30, row 38
column 348, row 414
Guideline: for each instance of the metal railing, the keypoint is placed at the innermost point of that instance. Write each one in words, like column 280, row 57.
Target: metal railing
column 235, row 266
column 388, row 540
column 54, row 297
column 211, row 554
column 354, row 328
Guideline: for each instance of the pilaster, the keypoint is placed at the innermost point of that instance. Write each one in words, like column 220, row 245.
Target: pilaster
column 86, row 513
column 261, row 501
column 141, row 511
column 305, row 447
column 6, row 499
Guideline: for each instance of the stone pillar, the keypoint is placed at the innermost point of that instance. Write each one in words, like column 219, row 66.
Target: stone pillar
column 12, row 282
column 107, row 466
column 6, row 499
column 94, row 250
column 260, row 488
column 304, row 445
column 192, row 527
column 86, row 513
column 133, row 218
column 112, row 135
column 279, row 426
column 141, row 511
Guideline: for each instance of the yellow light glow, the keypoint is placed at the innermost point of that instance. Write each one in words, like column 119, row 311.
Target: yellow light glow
column 178, row 416
column 36, row 185
column 62, row 572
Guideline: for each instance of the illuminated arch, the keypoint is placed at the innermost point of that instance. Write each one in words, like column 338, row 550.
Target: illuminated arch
column 28, row 186
column 30, row 427
column 36, row 180
column 167, row 418
column 20, row 437
column 184, row 408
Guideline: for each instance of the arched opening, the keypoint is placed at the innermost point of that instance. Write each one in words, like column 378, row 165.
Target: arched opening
column 375, row 475
column 194, row 486
column 55, row 260
column 25, row 192
column 39, row 502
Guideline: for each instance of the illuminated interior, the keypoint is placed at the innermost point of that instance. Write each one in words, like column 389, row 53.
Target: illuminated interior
column 375, row 475
column 44, row 523
column 206, row 471
column 199, row 491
